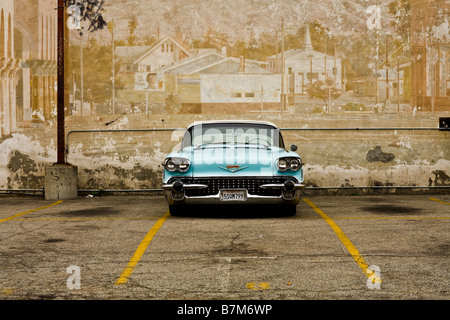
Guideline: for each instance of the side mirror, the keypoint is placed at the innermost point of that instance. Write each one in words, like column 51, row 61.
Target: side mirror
column 294, row 148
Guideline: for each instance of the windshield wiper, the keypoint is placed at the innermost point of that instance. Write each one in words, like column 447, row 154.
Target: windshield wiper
column 259, row 145
column 209, row 144
column 228, row 144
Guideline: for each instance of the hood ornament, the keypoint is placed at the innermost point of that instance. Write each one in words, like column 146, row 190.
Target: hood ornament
column 233, row 168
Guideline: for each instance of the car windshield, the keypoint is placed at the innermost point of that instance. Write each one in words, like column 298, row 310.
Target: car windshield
column 203, row 135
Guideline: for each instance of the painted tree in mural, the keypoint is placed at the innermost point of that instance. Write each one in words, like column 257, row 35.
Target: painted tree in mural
column 132, row 26
column 401, row 11
column 97, row 77
column 323, row 90
column 97, row 59
column 436, row 26
column 213, row 38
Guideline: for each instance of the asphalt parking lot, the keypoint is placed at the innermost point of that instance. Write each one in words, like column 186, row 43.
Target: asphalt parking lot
column 129, row 247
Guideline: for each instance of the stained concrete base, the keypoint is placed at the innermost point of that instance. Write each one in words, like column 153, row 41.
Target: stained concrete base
column 61, row 182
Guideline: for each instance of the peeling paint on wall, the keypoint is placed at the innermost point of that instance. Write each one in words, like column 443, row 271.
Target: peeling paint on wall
column 378, row 155
column 441, row 179
column 23, row 161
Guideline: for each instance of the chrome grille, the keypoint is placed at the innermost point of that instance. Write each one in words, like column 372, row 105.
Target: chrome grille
column 250, row 184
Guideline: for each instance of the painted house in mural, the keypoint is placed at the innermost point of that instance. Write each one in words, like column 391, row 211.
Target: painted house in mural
column 394, row 77
column 306, row 65
column 397, row 69
column 214, row 83
column 141, row 68
column 150, row 58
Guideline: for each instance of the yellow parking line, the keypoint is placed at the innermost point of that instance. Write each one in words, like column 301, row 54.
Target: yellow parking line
column 258, row 286
column 140, row 250
column 346, row 241
column 437, row 200
column 6, row 291
column 86, row 219
column 23, row 213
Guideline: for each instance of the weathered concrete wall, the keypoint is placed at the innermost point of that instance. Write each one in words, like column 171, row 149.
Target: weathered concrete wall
column 131, row 160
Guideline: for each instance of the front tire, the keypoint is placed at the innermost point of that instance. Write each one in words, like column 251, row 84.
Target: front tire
column 289, row 210
column 176, row 211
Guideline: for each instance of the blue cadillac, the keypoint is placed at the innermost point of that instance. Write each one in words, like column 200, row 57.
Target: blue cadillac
column 233, row 162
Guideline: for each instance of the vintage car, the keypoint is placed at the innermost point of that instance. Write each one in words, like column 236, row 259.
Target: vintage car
column 233, row 162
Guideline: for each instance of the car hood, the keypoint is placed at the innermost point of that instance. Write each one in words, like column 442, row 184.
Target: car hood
column 233, row 161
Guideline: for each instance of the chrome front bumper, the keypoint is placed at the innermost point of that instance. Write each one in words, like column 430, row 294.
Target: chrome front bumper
column 175, row 195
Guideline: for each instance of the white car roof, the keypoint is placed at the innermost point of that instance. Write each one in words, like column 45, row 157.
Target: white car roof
column 233, row 121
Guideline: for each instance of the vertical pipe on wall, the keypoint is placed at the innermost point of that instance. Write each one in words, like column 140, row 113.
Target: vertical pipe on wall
column 60, row 97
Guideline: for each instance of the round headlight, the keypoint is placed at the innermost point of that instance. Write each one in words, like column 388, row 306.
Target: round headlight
column 177, row 164
column 183, row 166
column 282, row 164
column 294, row 164
column 170, row 165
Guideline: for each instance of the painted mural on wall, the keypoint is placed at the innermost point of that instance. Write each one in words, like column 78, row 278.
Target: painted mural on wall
column 163, row 64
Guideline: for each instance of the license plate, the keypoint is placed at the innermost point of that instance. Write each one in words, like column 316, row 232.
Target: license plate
column 233, row 195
